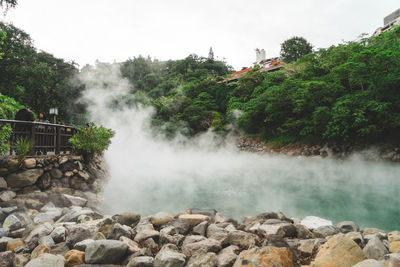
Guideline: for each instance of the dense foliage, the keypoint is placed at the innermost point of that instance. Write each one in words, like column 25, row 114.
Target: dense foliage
column 92, row 139
column 36, row 78
column 8, row 109
column 347, row 93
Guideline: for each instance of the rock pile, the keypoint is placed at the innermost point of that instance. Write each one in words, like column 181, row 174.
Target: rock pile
column 49, row 172
column 66, row 230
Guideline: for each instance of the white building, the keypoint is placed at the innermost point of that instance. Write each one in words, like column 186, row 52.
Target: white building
column 389, row 22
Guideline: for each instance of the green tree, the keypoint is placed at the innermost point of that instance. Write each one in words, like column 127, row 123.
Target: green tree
column 295, row 48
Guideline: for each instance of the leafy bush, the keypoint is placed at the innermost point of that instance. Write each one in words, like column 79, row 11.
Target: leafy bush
column 92, row 139
column 22, row 147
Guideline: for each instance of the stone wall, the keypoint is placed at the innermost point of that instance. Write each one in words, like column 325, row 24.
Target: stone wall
column 64, row 174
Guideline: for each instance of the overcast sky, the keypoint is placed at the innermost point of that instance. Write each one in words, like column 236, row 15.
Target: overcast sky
column 115, row 30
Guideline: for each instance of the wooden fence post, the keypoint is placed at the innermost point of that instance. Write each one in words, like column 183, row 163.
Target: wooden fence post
column 32, row 139
column 58, row 140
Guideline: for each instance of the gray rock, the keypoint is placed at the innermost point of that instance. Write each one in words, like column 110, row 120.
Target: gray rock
column 141, row 261
column 324, row 231
column 47, row 260
column 3, row 183
column 280, row 228
column 7, row 259
column 167, row 257
column 75, row 212
column 190, row 245
column 369, row 263
column 105, row 251
column 313, row 222
column 303, row 232
column 201, row 258
column 4, row 232
column 375, row 249
column 56, row 174
column 119, row 230
column 242, row 239
column 201, row 228
column 83, row 244
column 161, row 218
column 306, row 247
column 347, row 226
column 7, row 195
column 58, row 234
column 180, row 225
column 47, row 240
column 77, row 233
column 12, row 222
column 49, row 216
column 23, row 178
column 227, row 256
column 127, row 218
column 3, row 243
column 21, row 260
column 39, row 231
column 145, row 234
column 9, row 210
column 76, row 201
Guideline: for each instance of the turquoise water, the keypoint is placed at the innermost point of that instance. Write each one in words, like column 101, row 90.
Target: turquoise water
column 241, row 184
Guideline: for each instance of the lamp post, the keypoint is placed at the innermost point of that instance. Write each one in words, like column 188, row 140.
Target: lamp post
column 54, row 112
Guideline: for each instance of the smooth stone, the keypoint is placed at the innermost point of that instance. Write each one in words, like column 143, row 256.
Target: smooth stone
column 76, row 201
column 83, row 244
column 161, row 218
column 105, row 251
column 30, row 163
column 325, row 231
column 369, row 263
column 312, row 222
column 375, row 249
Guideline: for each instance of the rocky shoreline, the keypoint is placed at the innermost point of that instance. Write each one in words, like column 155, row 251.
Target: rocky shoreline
column 72, row 233
column 324, row 150
column 50, row 216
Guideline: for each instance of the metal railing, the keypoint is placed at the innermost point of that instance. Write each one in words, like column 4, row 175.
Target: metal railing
column 46, row 137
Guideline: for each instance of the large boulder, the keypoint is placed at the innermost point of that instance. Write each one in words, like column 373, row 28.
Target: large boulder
column 105, row 252
column 265, row 256
column 47, row 260
column 339, row 251
column 24, row 178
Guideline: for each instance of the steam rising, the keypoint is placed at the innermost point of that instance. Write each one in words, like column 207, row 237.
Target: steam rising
column 150, row 174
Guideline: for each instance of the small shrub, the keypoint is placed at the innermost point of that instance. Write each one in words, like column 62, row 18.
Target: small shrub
column 22, row 147
column 91, row 140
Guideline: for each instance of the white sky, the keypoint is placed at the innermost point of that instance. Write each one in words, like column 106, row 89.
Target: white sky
column 114, row 30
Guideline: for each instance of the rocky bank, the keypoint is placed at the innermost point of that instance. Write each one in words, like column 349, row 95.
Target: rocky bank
column 50, row 217
column 374, row 153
